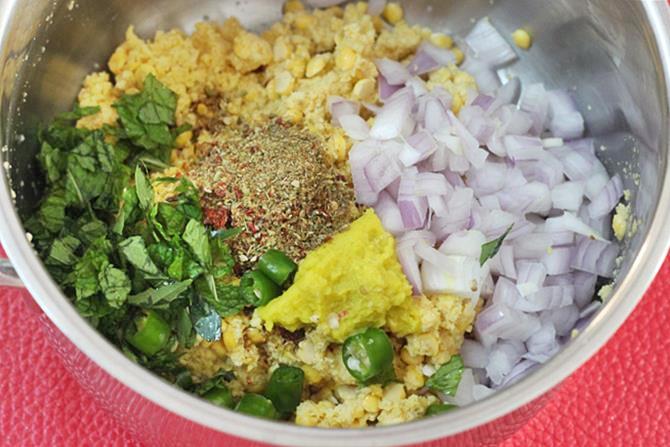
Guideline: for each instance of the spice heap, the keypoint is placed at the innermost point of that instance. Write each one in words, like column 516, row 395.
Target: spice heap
column 276, row 183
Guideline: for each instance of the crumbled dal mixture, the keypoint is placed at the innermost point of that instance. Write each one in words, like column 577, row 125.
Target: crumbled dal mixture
column 289, row 71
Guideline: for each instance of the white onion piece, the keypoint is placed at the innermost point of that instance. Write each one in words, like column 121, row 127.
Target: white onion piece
column 521, row 370
column 514, row 121
column 381, row 171
column 569, row 222
column 568, row 196
column 464, row 393
column 501, row 321
column 393, row 116
column 359, row 156
column 474, row 354
column 502, row 360
column 533, row 197
column 507, row 94
column 410, row 265
column 394, row 72
column 419, row 147
column 413, row 209
column 355, row 127
column 565, row 120
column 585, row 287
column 445, row 274
column 595, row 256
column 429, row 57
column 386, row 90
column 460, row 207
column 542, row 341
column 506, row 293
column 607, row 199
column 549, row 170
column 557, row 260
column 339, row 107
column 529, row 272
column 376, row 7
column 431, row 184
column 524, row 148
column 464, row 243
column 533, row 246
column 550, row 297
column 535, row 102
column 563, row 319
column 488, row 45
column 389, row 214
column 485, row 76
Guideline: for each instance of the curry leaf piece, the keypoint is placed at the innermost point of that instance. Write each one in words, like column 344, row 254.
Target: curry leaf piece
column 490, row 249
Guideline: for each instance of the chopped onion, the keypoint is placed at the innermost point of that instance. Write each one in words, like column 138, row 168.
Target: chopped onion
column 607, row 199
column 355, row 127
column 535, row 102
column 568, row 196
column 595, row 256
column 376, row 7
column 339, row 107
column 445, row 184
column 393, row 72
column 488, row 45
column 389, row 214
column 474, row 354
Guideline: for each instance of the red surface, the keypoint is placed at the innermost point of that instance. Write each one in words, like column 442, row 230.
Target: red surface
column 619, row 398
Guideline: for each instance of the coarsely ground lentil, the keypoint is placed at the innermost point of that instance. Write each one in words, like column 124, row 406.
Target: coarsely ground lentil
column 277, row 184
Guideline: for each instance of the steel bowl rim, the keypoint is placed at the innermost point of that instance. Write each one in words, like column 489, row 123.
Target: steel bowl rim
column 631, row 289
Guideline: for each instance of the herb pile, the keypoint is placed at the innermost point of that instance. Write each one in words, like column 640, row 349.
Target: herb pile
column 148, row 275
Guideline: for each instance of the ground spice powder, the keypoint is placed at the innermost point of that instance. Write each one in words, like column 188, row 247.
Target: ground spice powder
column 277, row 184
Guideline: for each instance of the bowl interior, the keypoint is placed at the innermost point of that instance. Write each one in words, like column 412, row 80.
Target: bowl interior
column 601, row 50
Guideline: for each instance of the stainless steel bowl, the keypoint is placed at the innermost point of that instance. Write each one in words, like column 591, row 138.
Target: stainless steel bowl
column 613, row 54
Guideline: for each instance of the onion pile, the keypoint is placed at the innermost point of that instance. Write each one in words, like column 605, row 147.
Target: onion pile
column 512, row 163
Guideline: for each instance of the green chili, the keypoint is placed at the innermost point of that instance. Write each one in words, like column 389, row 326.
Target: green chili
column 368, row 356
column 277, row 266
column 439, row 408
column 150, row 333
column 263, row 288
column 220, row 396
column 285, row 388
column 257, row 405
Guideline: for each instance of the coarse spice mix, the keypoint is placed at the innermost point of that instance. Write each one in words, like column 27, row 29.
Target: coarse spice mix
column 276, row 182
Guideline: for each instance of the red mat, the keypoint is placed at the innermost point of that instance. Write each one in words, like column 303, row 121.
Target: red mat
column 619, row 398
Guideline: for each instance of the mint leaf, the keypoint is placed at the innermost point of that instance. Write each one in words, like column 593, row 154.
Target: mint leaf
column 161, row 296
column 134, row 250
column 147, row 117
column 52, row 212
column 115, row 285
column 85, row 276
column 197, row 238
column 491, row 248
column 63, row 251
column 145, row 193
column 447, row 377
